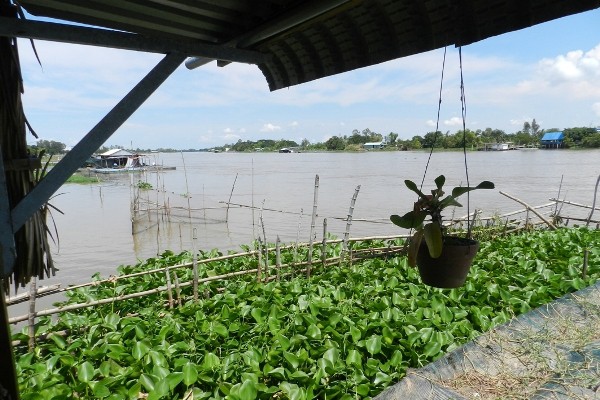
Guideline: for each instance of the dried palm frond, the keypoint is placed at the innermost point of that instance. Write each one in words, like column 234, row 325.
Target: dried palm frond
column 33, row 256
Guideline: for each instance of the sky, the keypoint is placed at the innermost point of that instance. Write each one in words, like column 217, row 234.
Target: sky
column 549, row 72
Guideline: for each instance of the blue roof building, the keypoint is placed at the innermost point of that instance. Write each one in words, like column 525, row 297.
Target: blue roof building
column 553, row 140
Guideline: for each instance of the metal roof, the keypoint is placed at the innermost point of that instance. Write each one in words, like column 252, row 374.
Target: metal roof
column 292, row 41
column 550, row 136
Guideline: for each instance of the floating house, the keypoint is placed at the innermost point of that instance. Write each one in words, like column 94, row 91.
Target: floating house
column 553, row 140
column 120, row 159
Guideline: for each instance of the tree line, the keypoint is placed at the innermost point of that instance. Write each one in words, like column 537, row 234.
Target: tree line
column 530, row 135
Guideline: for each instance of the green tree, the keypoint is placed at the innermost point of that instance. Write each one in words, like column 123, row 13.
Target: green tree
column 335, row 143
column 51, row 146
column 392, row 137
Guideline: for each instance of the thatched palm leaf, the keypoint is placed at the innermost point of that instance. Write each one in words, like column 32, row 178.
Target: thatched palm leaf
column 33, row 256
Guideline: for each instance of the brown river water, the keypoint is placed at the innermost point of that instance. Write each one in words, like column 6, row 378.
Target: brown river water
column 96, row 232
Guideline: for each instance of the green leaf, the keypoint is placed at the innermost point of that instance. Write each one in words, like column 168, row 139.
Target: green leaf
column 354, row 358
column 140, row 349
column 211, row 361
column 257, row 314
column 410, row 220
column 460, row 190
column 332, row 355
column 174, row 379
column 278, row 372
column 313, row 332
column 381, row 377
column 355, row 333
column 190, row 374
column 85, row 372
column 100, row 390
column 439, row 181
column 373, row 344
column 433, row 238
column 293, row 359
column 58, row 340
column 220, row 329
column 147, row 382
column 161, row 389
column 246, row 391
column 432, row 349
column 413, row 186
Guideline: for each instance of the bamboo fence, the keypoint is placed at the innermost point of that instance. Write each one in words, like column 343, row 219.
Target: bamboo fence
column 546, row 214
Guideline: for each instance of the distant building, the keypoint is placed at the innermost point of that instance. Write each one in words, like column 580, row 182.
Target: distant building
column 374, row 145
column 553, row 140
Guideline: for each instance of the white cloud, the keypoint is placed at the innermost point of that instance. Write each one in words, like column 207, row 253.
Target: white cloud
column 575, row 65
column 294, row 124
column 454, row 121
column 430, row 123
column 270, row 128
column 231, row 137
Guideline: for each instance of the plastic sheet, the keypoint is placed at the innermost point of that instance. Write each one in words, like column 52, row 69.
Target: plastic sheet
column 552, row 352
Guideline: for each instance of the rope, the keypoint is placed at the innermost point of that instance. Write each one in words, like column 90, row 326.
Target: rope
column 437, row 122
column 463, row 103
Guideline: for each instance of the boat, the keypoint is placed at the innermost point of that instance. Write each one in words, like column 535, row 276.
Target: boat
column 497, row 146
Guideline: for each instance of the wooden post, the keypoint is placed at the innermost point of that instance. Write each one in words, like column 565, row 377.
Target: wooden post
column 177, row 289
column 343, row 255
column 312, row 226
column 586, row 254
column 259, row 264
column 195, row 270
column 324, row 243
column 169, row 291
column 278, row 257
column 31, row 319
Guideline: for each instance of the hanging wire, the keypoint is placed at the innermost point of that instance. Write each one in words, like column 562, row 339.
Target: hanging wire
column 437, row 122
column 463, row 103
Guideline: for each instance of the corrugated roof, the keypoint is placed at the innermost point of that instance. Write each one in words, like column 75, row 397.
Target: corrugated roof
column 292, row 41
column 550, row 136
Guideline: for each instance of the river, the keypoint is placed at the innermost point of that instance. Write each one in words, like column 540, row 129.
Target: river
column 95, row 232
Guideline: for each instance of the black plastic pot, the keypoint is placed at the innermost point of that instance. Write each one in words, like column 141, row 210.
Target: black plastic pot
column 451, row 268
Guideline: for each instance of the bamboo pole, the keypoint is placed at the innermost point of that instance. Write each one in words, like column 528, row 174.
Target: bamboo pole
column 593, row 202
column 324, row 242
column 195, row 272
column 550, row 224
column 349, row 219
column 42, row 290
column 586, row 254
column 572, row 203
column 31, row 319
column 229, row 201
column 259, row 269
column 278, row 257
column 312, row 224
column 169, row 291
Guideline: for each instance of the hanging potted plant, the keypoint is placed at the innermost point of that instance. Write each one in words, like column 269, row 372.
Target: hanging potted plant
column 443, row 260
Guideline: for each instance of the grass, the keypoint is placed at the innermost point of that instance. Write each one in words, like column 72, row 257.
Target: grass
column 81, row 179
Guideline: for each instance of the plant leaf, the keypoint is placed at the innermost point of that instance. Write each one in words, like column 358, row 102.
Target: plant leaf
column 410, row 220
column 413, row 186
column 433, row 238
column 413, row 248
column 460, row 190
column 439, row 181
